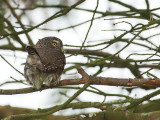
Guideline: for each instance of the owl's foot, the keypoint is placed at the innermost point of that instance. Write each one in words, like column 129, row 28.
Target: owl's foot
column 34, row 88
column 43, row 86
column 37, row 87
column 54, row 83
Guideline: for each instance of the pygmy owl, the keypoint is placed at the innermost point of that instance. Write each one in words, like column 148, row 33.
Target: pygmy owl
column 45, row 62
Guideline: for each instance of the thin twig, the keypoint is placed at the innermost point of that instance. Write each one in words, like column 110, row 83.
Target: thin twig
column 11, row 65
column 90, row 25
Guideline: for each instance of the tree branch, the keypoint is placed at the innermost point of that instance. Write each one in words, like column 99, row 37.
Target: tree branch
column 89, row 80
column 38, row 115
column 56, row 15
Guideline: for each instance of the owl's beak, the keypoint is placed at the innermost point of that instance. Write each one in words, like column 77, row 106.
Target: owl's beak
column 61, row 49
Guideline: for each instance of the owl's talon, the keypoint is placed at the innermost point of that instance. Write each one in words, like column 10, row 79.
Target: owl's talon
column 43, row 86
column 34, row 88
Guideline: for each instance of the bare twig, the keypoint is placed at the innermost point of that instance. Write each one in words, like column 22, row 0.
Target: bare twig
column 90, row 25
column 56, row 15
column 19, row 21
column 11, row 65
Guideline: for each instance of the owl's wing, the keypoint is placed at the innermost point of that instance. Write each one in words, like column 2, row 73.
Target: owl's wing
column 31, row 50
column 52, row 61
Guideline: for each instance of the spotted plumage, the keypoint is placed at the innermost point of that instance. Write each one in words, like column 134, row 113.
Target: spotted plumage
column 45, row 62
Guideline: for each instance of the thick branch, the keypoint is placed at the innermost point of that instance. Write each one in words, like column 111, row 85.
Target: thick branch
column 92, row 81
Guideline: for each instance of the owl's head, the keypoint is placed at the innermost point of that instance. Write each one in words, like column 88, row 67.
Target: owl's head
column 50, row 42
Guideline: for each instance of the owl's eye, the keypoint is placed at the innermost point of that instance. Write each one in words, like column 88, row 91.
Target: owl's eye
column 54, row 44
